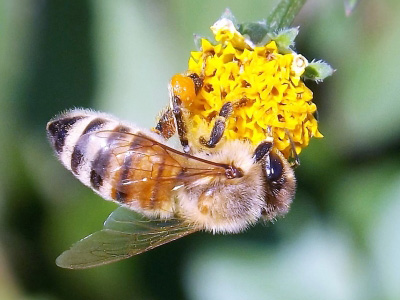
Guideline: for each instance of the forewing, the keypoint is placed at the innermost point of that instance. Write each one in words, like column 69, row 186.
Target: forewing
column 143, row 145
column 135, row 156
column 125, row 234
column 144, row 173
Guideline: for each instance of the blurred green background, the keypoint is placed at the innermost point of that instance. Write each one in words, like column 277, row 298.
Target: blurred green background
column 341, row 239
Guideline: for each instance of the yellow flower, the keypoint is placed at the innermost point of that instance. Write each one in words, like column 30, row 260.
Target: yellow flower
column 265, row 87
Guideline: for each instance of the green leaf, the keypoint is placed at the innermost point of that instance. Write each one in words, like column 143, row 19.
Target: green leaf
column 283, row 14
column 125, row 233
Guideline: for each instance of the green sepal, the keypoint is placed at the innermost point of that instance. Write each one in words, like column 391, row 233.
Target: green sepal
column 256, row 31
column 284, row 38
column 318, row 71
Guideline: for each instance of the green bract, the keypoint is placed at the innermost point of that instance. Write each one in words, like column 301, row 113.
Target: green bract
column 318, row 71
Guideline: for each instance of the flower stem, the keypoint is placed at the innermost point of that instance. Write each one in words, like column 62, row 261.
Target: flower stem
column 284, row 13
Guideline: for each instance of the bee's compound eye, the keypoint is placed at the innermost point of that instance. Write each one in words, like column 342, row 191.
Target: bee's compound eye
column 274, row 167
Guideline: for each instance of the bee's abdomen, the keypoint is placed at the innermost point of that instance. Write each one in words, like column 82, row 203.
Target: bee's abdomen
column 59, row 129
column 70, row 138
column 118, row 161
column 80, row 149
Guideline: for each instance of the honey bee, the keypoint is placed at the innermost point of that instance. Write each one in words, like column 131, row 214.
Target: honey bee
column 222, row 190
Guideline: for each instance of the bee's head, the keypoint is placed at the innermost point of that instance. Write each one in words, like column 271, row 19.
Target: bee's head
column 280, row 183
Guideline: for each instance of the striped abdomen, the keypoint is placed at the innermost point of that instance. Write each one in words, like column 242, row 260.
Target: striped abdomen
column 118, row 161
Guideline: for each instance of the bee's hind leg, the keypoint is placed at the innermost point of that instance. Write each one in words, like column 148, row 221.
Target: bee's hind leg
column 219, row 126
column 165, row 124
column 177, row 111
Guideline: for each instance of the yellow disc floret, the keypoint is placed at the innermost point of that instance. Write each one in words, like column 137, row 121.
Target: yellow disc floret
column 265, row 87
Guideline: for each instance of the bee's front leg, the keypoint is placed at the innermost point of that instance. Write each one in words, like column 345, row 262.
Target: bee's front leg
column 262, row 149
column 219, row 126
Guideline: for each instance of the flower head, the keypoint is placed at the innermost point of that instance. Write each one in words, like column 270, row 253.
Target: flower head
column 263, row 83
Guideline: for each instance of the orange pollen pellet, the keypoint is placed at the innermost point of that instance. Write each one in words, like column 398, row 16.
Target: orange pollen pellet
column 183, row 87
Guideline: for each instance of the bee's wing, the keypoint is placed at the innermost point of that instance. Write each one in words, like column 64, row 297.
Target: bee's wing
column 146, row 145
column 125, row 234
column 149, row 171
column 122, row 162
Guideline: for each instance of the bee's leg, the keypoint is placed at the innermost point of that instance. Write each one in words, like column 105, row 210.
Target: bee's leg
column 262, row 149
column 166, row 124
column 220, row 122
column 197, row 81
column 177, row 111
column 182, row 89
column 219, row 126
